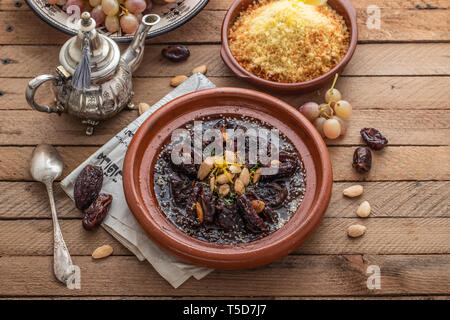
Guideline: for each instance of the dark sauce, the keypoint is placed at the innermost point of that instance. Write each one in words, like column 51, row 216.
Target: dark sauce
column 177, row 188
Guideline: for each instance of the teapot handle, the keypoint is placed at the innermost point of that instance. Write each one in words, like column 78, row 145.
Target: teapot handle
column 32, row 87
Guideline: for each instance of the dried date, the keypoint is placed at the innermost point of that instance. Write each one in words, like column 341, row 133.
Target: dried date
column 207, row 203
column 94, row 215
column 87, row 186
column 269, row 215
column 253, row 221
column 374, row 139
column 176, row 53
column 362, row 159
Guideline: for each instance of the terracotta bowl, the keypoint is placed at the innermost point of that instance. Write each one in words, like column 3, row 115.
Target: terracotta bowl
column 343, row 7
column 155, row 132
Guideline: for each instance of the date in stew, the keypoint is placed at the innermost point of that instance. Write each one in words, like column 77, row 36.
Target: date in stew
column 226, row 198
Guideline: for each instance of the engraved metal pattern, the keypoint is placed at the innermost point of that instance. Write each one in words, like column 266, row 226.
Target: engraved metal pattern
column 105, row 97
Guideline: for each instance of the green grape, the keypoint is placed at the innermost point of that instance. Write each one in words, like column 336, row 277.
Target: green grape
column 343, row 109
column 331, row 128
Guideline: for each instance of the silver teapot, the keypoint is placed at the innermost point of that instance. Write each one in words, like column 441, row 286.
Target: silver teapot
column 93, row 81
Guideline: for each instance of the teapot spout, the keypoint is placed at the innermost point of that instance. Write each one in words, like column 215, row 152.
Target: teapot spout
column 134, row 53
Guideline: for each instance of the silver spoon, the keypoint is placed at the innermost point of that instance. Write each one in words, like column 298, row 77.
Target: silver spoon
column 46, row 166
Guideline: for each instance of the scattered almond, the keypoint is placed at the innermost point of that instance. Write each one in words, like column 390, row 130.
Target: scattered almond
column 245, row 176
column 143, row 107
column 102, row 252
column 356, row 230
column 353, row 191
column 201, row 69
column 205, row 168
column 258, row 205
column 224, row 178
column 239, row 187
column 199, row 210
column 176, row 81
column 224, row 189
column 257, row 175
column 363, row 210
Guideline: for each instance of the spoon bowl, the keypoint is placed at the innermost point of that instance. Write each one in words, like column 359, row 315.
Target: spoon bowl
column 46, row 163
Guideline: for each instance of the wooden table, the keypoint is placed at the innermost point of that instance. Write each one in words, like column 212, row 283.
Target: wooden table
column 398, row 82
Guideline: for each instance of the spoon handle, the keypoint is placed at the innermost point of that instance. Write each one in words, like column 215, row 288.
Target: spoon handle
column 62, row 263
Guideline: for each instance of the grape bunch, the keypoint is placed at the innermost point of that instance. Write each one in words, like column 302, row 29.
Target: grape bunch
column 328, row 117
column 114, row 15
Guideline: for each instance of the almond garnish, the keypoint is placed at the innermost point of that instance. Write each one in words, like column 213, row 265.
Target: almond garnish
column 257, row 175
column 224, row 189
column 205, row 168
column 239, row 187
column 245, row 176
column 199, row 210
column 258, row 205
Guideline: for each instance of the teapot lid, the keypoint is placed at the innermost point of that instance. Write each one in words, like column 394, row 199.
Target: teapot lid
column 105, row 53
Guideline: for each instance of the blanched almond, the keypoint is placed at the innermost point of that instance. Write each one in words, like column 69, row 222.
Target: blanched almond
column 245, row 176
column 257, row 175
column 224, row 189
column 102, row 252
column 258, row 205
column 212, row 183
column 356, row 230
column 143, row 107
column 176, row 81
column 205, row 168
column 353, row 191
column 235, row 169
column 201, row 69
column 363, row 210
column 239, row 187
column 199, row 210
column 224, row 178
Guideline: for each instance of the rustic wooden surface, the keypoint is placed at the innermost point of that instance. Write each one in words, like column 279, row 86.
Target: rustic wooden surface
column 398, row 81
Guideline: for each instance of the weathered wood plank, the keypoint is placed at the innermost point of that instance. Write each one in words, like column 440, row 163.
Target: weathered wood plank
column 393, row 163
column 13, row 5
column 383, row 236
column 412, row 127
column 433, row 297
column 21, row 200
column 359, row 4
column 398, row 23
column 398, row 93
column 16, row 5
column 369, row 60
column 36, row 31
column 292, row 276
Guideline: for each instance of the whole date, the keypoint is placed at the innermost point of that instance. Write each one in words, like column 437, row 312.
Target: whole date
column 374, row 139
column 87, row 186
column 362, row 159
column 176, row 53
column 97, row 211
